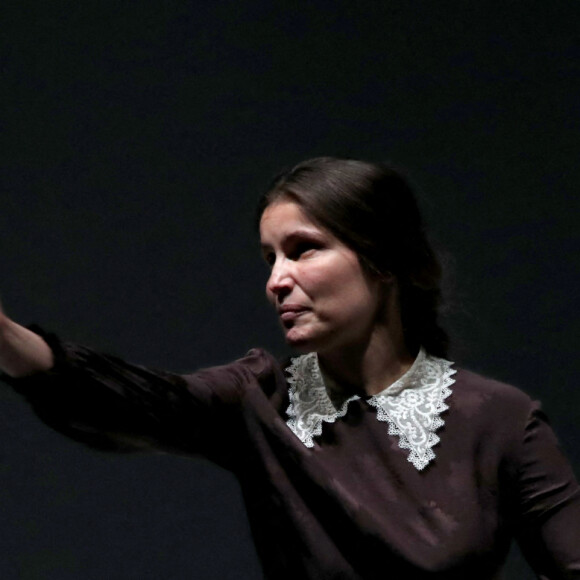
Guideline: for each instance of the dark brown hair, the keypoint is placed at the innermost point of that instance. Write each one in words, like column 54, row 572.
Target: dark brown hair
column 371, row 208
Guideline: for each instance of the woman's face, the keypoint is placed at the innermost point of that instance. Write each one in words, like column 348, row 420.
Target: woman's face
column 324, row 298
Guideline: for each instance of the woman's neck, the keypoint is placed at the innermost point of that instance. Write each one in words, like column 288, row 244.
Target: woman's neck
column 370, row 368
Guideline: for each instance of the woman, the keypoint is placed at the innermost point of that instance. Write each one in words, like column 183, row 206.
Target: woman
column 367, row 456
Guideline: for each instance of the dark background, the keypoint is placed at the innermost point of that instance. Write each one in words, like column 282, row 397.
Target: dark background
column 137, row 137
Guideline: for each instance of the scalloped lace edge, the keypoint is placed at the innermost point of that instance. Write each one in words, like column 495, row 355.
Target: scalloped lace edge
column 411, row 406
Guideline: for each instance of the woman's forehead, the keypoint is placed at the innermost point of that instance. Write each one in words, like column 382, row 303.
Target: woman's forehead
column 284, row 217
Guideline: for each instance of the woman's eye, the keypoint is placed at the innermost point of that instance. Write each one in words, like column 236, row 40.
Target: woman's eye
column 304, row 250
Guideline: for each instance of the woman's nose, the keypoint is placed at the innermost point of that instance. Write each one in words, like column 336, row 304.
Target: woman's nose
column 280, row 280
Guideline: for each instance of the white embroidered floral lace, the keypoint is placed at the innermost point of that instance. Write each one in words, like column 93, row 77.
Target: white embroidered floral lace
column 411, row 406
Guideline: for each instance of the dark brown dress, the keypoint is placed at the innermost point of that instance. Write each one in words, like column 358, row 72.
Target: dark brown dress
column 352, row 506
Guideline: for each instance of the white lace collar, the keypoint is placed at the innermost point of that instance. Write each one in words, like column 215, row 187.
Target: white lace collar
column 411, row 406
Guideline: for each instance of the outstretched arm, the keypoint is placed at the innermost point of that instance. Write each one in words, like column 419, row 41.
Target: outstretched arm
column 22, row 352
column 111, row 404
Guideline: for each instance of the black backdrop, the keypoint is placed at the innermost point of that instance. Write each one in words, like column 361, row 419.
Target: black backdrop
column 136, row 139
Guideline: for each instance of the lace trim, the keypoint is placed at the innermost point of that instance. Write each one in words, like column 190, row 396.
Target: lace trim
column 411, row 406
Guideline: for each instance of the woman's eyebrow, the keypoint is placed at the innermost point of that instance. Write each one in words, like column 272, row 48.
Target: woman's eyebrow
column 294, row 236
column 297, row 234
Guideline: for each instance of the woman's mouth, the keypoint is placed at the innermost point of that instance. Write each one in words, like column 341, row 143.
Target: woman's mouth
column 290, row 312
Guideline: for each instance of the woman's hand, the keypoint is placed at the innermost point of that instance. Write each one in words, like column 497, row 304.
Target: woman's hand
column 22, row 352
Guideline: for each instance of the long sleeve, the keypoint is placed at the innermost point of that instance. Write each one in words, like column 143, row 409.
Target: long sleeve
column 547, row 505
column 351, row 506
column 110, row 404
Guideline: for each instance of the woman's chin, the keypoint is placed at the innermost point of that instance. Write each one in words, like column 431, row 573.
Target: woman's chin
column 299, row 341
column 303, row 341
